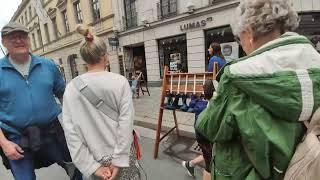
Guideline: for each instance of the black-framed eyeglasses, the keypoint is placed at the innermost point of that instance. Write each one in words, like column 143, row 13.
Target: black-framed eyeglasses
column 15, row 37
column 237, row 39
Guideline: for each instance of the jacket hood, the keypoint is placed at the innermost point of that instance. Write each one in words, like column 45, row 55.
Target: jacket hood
column 282, row 73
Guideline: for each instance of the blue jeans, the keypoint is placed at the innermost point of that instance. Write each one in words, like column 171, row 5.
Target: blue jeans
column 50, row 149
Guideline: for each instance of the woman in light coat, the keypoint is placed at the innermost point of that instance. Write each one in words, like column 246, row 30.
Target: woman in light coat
column 100, row 144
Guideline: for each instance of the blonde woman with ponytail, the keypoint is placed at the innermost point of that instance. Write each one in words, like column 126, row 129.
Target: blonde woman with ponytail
column 101, row 147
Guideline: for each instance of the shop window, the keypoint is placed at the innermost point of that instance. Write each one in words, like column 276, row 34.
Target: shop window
column 95, row 9
column 173, row 53
column 224, row 36
column 131, row 14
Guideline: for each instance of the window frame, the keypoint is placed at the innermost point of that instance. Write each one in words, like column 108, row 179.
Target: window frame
column 46, row 30
column 34, row 41
column 78, row 11
column 55, row 27
column 95, row 7
column 65, row 21
column 132, row 20
column 169, row 11
column 30, row 12
column 40, row 40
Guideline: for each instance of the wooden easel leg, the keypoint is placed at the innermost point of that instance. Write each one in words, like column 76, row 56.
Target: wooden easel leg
column 176, row 122
column 147, row 88
column 156, row 147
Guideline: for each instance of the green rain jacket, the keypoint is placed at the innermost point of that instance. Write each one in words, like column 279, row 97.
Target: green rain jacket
column 255, row 119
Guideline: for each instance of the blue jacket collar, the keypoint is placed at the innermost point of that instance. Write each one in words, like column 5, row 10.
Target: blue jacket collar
column 5, row 63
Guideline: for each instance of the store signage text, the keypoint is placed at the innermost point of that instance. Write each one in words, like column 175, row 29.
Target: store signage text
column 195, row 24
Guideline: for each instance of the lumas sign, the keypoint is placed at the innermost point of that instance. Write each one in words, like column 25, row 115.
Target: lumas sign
column 195, row 24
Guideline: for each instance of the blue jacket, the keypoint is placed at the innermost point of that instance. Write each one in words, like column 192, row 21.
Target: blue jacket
column 198, row 108
column 30, row 101
column 221, row 62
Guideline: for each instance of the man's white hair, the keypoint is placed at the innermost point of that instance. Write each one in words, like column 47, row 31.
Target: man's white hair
column 264, row 16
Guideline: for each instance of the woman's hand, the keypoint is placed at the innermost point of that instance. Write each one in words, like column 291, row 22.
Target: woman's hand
column 103, row 173
column 114, row 172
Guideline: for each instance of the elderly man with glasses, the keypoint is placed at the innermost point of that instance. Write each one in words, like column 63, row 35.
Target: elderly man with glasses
column 30, row 134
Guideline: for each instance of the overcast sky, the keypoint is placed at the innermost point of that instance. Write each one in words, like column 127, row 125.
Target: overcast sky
column 7, row 9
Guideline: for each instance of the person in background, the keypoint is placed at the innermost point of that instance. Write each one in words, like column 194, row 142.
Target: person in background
column 31, row 136
column 216, row 56
column 134, row 84
column 256, row 119
column 100, row 144
column 205, row 145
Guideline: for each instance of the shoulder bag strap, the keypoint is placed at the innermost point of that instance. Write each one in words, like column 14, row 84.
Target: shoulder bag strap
column 97, row 102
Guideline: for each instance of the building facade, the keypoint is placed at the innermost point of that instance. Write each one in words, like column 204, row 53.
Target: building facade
column 57, row 38
column 162, row 32
column 145, row 35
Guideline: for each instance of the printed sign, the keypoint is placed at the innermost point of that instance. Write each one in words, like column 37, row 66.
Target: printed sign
column 230, row 51
column 175, row 62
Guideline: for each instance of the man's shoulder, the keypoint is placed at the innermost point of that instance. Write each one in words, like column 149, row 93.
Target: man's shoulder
column 3, row 59
column 43, row 60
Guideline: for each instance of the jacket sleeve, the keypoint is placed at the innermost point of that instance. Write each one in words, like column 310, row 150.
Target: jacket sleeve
column 125, row 128
column 81, row 156
column 216, row 121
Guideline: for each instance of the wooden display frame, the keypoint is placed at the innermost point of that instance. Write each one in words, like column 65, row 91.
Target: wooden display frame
column 176, row 83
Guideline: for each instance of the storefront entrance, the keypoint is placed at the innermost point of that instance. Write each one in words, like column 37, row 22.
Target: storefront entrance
column 135, row 60
column 173, row 53
column 139, row 60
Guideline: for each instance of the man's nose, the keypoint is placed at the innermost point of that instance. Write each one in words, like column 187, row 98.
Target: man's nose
column 18, row 40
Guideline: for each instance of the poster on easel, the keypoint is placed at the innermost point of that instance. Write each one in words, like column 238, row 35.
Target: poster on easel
column 230, row 51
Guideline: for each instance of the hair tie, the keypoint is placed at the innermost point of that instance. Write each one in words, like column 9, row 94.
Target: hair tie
column 89, row 37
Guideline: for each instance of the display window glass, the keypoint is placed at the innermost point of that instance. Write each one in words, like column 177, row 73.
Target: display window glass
column 173, row 53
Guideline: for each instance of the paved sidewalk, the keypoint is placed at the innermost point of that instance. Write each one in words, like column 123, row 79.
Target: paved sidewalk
column 147, row 112
column 164, row 168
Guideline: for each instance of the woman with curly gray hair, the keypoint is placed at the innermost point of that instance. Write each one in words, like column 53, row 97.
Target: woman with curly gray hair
column 256, row 120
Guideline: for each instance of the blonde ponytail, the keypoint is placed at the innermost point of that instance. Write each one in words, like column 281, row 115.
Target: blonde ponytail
column 92, row 47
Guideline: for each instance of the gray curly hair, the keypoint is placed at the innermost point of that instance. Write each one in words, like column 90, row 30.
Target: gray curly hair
column 265, row 16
